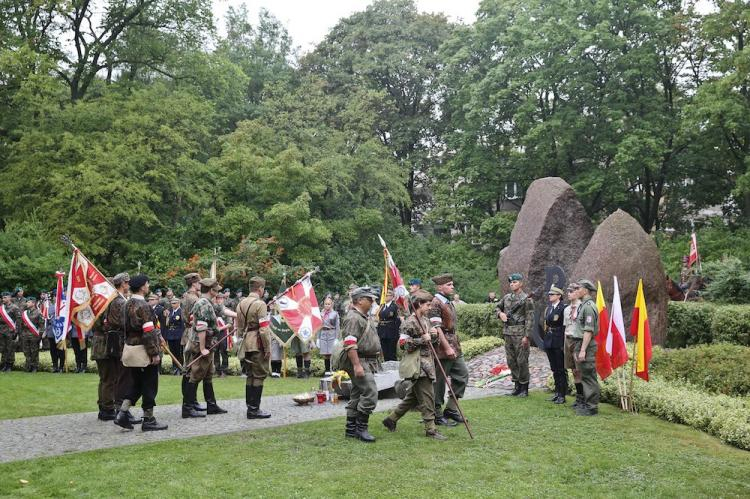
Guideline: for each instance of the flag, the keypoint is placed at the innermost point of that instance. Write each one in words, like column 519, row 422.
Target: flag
column 616, row 347
column 90, row 293
column 62, row 316
column 603, row 365
column 299, row 307
column 693, row 256
column 640, row 329
column 399, row 289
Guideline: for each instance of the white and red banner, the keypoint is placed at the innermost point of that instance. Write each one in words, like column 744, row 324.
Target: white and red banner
column 394, row 276
column 299, row 307
column 89, row 293
column 616, row 346
column 29, row 324
column 693, row 257
column 7, row 319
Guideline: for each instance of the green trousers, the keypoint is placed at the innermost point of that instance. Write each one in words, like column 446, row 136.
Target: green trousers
column 518, row 358
column 422, row 396
column 458, row 372
column 589, row 379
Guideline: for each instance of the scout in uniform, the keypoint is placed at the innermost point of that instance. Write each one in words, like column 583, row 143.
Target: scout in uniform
column 191, row 295
column 10, row 315
column 585, row 349
column 553, row 342
column 31, row 328
column 361, row 351
column 204, row 333
column 571, row 333
column 516, row 311
column 442, row 315
column 416, row 337
column 253, row 325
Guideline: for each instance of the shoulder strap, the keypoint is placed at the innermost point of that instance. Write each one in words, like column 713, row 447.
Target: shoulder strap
column 248, row 309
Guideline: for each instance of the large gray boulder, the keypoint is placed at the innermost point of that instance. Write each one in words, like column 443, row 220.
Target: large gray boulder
column 552, row 228
column 620, row 247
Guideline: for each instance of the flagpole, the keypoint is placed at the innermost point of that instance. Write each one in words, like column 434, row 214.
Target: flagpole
column 632, row 374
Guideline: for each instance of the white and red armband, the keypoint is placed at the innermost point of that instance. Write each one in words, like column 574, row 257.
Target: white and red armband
column 148, row 327
column 265, row 322
column 402, row 339
column 350, row 341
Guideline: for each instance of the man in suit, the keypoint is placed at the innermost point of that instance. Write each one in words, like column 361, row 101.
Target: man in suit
column 389, row 324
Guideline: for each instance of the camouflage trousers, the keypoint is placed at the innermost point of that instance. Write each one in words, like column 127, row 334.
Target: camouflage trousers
column 8, row 349
column 256, row 368
column 422, row 396
column 518, row 358
column 30, row 344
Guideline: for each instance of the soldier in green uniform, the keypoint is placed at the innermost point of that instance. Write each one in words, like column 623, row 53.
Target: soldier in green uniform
column 203, row 334
column 10, row 316
column 584, row 348
column 416, row 336
column 516, row 311
column 253, row 326
column 361, row 362
column 31, row 328
column 191, row 295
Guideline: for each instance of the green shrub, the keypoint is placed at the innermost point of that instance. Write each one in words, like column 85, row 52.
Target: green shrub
column 719, row 368
column 729, row 280
column 727, row 418
column 477, row 346
column 477, row 320
column 731, row 324
column 689, row 323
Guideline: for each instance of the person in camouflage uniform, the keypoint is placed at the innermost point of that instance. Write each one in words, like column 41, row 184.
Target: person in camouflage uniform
column 417, row 334
column 221, row 352
column 361, row 348
column 516, row 311
column 584, row 348
column 9, row 320
column 253, row 326
column 31, row 327
column 140, row 329
column 442, row 315
column 203, row 334
column 192, row 281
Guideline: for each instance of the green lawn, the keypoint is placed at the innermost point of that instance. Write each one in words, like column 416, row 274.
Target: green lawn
column 45, row 394
column 523, row 448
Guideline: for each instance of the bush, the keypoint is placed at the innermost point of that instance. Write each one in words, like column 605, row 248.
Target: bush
column 477, row 320
column 731, row 324
column 719, row 415
column 477, row 346
column 689, row 323
column 720, row 368
column 729, row 280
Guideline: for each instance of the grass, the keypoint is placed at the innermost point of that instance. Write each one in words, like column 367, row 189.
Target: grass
column 523, row 448
column 45, row 394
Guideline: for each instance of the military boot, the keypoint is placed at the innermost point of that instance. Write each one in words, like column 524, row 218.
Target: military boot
column 211, row 405
column 454, row 415
column 351, row 427
column 516, row 390
column 151, row 424
column 123, row 421
column 524, row 391
column 362, row 424
column 579, row 401
column 106, row 414
column 560, row 398
column 435, row 435
column 390, row 424
column 188, row 402
column 253, row 395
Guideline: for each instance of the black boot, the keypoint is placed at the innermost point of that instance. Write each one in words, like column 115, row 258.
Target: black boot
column 106, row 414
column 351, row 427
column 306, row 371
column 362, row 424
column 517, row 390
column 390, row 424
column 327, row 364
column 123, row 421
column 151, row 424
column 454, row 415
column 252, row 397
column 300, row 372
column 211, row 406
column 560, row 398
column 579, row 396
column 188, row 401
column 524, row 392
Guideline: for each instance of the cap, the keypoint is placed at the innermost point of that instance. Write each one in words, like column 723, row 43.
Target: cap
column 573, row 286
column 442, row 279
column 30, row 298
column 209, row 282
column 554, row 290
column 415, row 282
column 174, row 300
column 191, row 278
column 585, row 283
column 421, row 295
column 120, row 278
column 5, row 293
column 226, row 290
column 516, row 276
column 364, row 292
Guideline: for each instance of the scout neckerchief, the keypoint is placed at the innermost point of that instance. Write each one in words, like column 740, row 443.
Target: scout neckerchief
column 6, row 317
column 29, row 324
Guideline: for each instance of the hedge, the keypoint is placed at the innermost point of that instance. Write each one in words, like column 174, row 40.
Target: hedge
column 695, row 323
column 477, row 346
column 477, row 320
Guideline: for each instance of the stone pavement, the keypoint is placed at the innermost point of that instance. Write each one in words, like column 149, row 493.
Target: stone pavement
column 479, row 368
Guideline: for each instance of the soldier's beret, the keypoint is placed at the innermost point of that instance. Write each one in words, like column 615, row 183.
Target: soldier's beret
column 152, row 296
column 415, row 282
column 516, row 276
column 191, row 278
column 120, row 278
column 257, row 282
column 226, row 290
column 137, row 282
column 30, row 298
column 554, row 290
column 585, row 283
column 364, row 292
column 5, row 293
column 174, row 300
column 209, row 282
column 442, row 279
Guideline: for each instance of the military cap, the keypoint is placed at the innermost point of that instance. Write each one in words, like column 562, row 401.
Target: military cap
column 415, row 282
column 585, row 283
column 257, row 282
column 5, row 293
column 120, row 278
column 137, row 281
column 152, row 296
column 364, row 292
column 209, row 282
column 573, row 286
column 174, row 300
column 442, row 279
column 516, row 276
column 30, row 298
column 226, row 290
column 421, row 295
column 191, row 278
column 554, row 290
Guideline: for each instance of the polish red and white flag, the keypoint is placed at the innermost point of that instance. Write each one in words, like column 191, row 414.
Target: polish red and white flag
column 89, row 295
column 299, row 307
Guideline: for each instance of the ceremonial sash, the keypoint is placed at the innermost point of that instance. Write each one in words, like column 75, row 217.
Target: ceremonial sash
column 29, row 324
column 6, row 317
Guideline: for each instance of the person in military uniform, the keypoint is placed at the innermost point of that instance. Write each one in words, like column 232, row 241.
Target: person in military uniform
column 191, row 295
column 389, row 324
column 204, row 333
column 301, row 351
column 554, row 339
column 174, row 327
column 417, row 334
column 585, row 348
column 31, row 329
column 415, row 285
column 442, row 315
column 253, row 326
column 221, row 353
column 516, row 311
column 571, row 333
column 10, row 316
column 362, row 350
column 141, row 331
column 19, row 299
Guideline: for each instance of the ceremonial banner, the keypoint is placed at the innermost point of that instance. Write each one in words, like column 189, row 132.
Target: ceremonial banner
column 62, row 310
column 299, row 307
column 281, row 330
column 90, row 294
column 616, row 347
column 603, row 365
column 640, row 329
column 399, row 289
column 693, row 257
